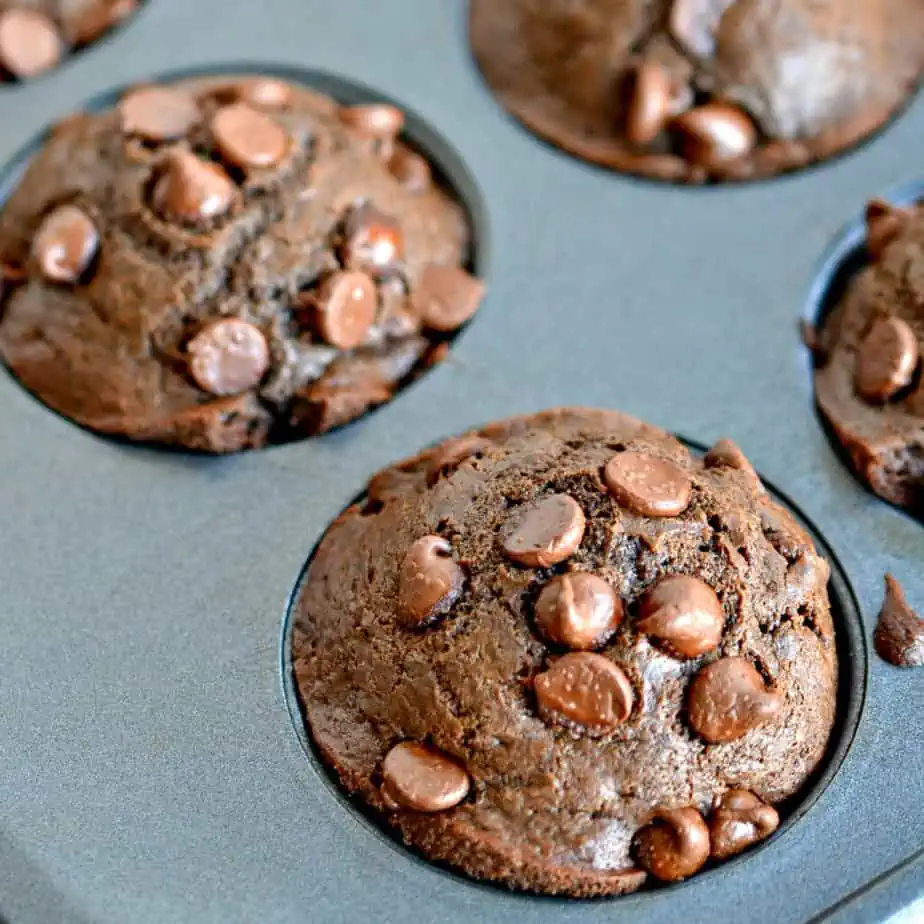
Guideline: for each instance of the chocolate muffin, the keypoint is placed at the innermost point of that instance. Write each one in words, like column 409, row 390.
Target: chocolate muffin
column 564, row 654
column 222, row 263
column 36, row 34
column 868, row 369
column 700, row 90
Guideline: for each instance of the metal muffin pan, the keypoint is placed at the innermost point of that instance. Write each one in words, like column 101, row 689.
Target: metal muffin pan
column 150, row 769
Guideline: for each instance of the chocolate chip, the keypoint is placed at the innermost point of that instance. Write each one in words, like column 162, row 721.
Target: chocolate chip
column 29, row 43
column 228, row 357
column 739, row 819
column 694, row 23
column 714, row 133
column 648, row 485
column 158, row 114
column 649, row 103
column 372, row 241
column 899, row 635
column 684, row 613
column 580, row 611
column 265, row 93
column 430, row 582
column 192, row 190
column 65, row 244
column 585, row 692
column 674, row 844
column 248, row 138
column 448, row 457
column 376, row 121
column 410, row 169
column 886, row 359
column 544, row 532
column 345, row 309
column 727, row 699
column 446, row 297
column 726, row 454
column 422, row 778
column 93, row 20
column 884, row 222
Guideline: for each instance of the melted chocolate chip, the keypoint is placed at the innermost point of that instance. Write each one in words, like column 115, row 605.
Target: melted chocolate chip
column 715, row 133
column 29, row 43
column 346, row 307
column 372, row 242
column 580, row 611
column 446, row 297
column 739, row 820
column 158, row 114
column 544, row 532
column 248, row 138
column 265, row 93
column 228, row 357
column 899, row 635
column 65, row 244
column 192, row 190
column 422, row 778
column 886, row 359
column 648, row 485
column 585, row 692
column 684, row 614
column 649, row 103
column 429, row 583
column 674, row 844
column 727, row 699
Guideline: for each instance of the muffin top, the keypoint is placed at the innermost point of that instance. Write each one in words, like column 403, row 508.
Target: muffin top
column 693, row 90
column 562, row 653
column 223, row 263
column 868, row 375
column 36, row 34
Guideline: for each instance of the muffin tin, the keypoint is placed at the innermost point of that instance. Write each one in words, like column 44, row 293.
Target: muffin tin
column 151, row 770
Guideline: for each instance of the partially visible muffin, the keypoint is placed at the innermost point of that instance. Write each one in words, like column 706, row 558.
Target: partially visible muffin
column 699, row 90
column 35, row 35
column 223, row 263
column 868, row 358
column 564, row 654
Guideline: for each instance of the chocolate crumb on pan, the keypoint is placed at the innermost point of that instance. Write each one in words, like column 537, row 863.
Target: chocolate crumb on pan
column 899, row 635
column 868, row 376
column 696, row 91
column 36, row 35
column 227, row 262
column 564, row 654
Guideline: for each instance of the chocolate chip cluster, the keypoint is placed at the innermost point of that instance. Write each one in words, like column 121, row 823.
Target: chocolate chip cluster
column 563, row 653
column 581, row 690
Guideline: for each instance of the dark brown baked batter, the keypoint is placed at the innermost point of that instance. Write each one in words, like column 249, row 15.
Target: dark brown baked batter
column 699, row 90
column 563, row 653
column 867, row 378
column 36, row 34
column 228, row 262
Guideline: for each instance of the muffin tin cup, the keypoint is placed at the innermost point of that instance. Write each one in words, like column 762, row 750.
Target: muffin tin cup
column 151, row 770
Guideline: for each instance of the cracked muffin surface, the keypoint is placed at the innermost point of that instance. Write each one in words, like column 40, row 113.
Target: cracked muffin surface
column 564, row 654
column 700, row 90
column 227, row 262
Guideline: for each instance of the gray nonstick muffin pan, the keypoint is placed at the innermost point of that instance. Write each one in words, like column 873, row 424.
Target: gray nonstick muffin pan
column 152, row 763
